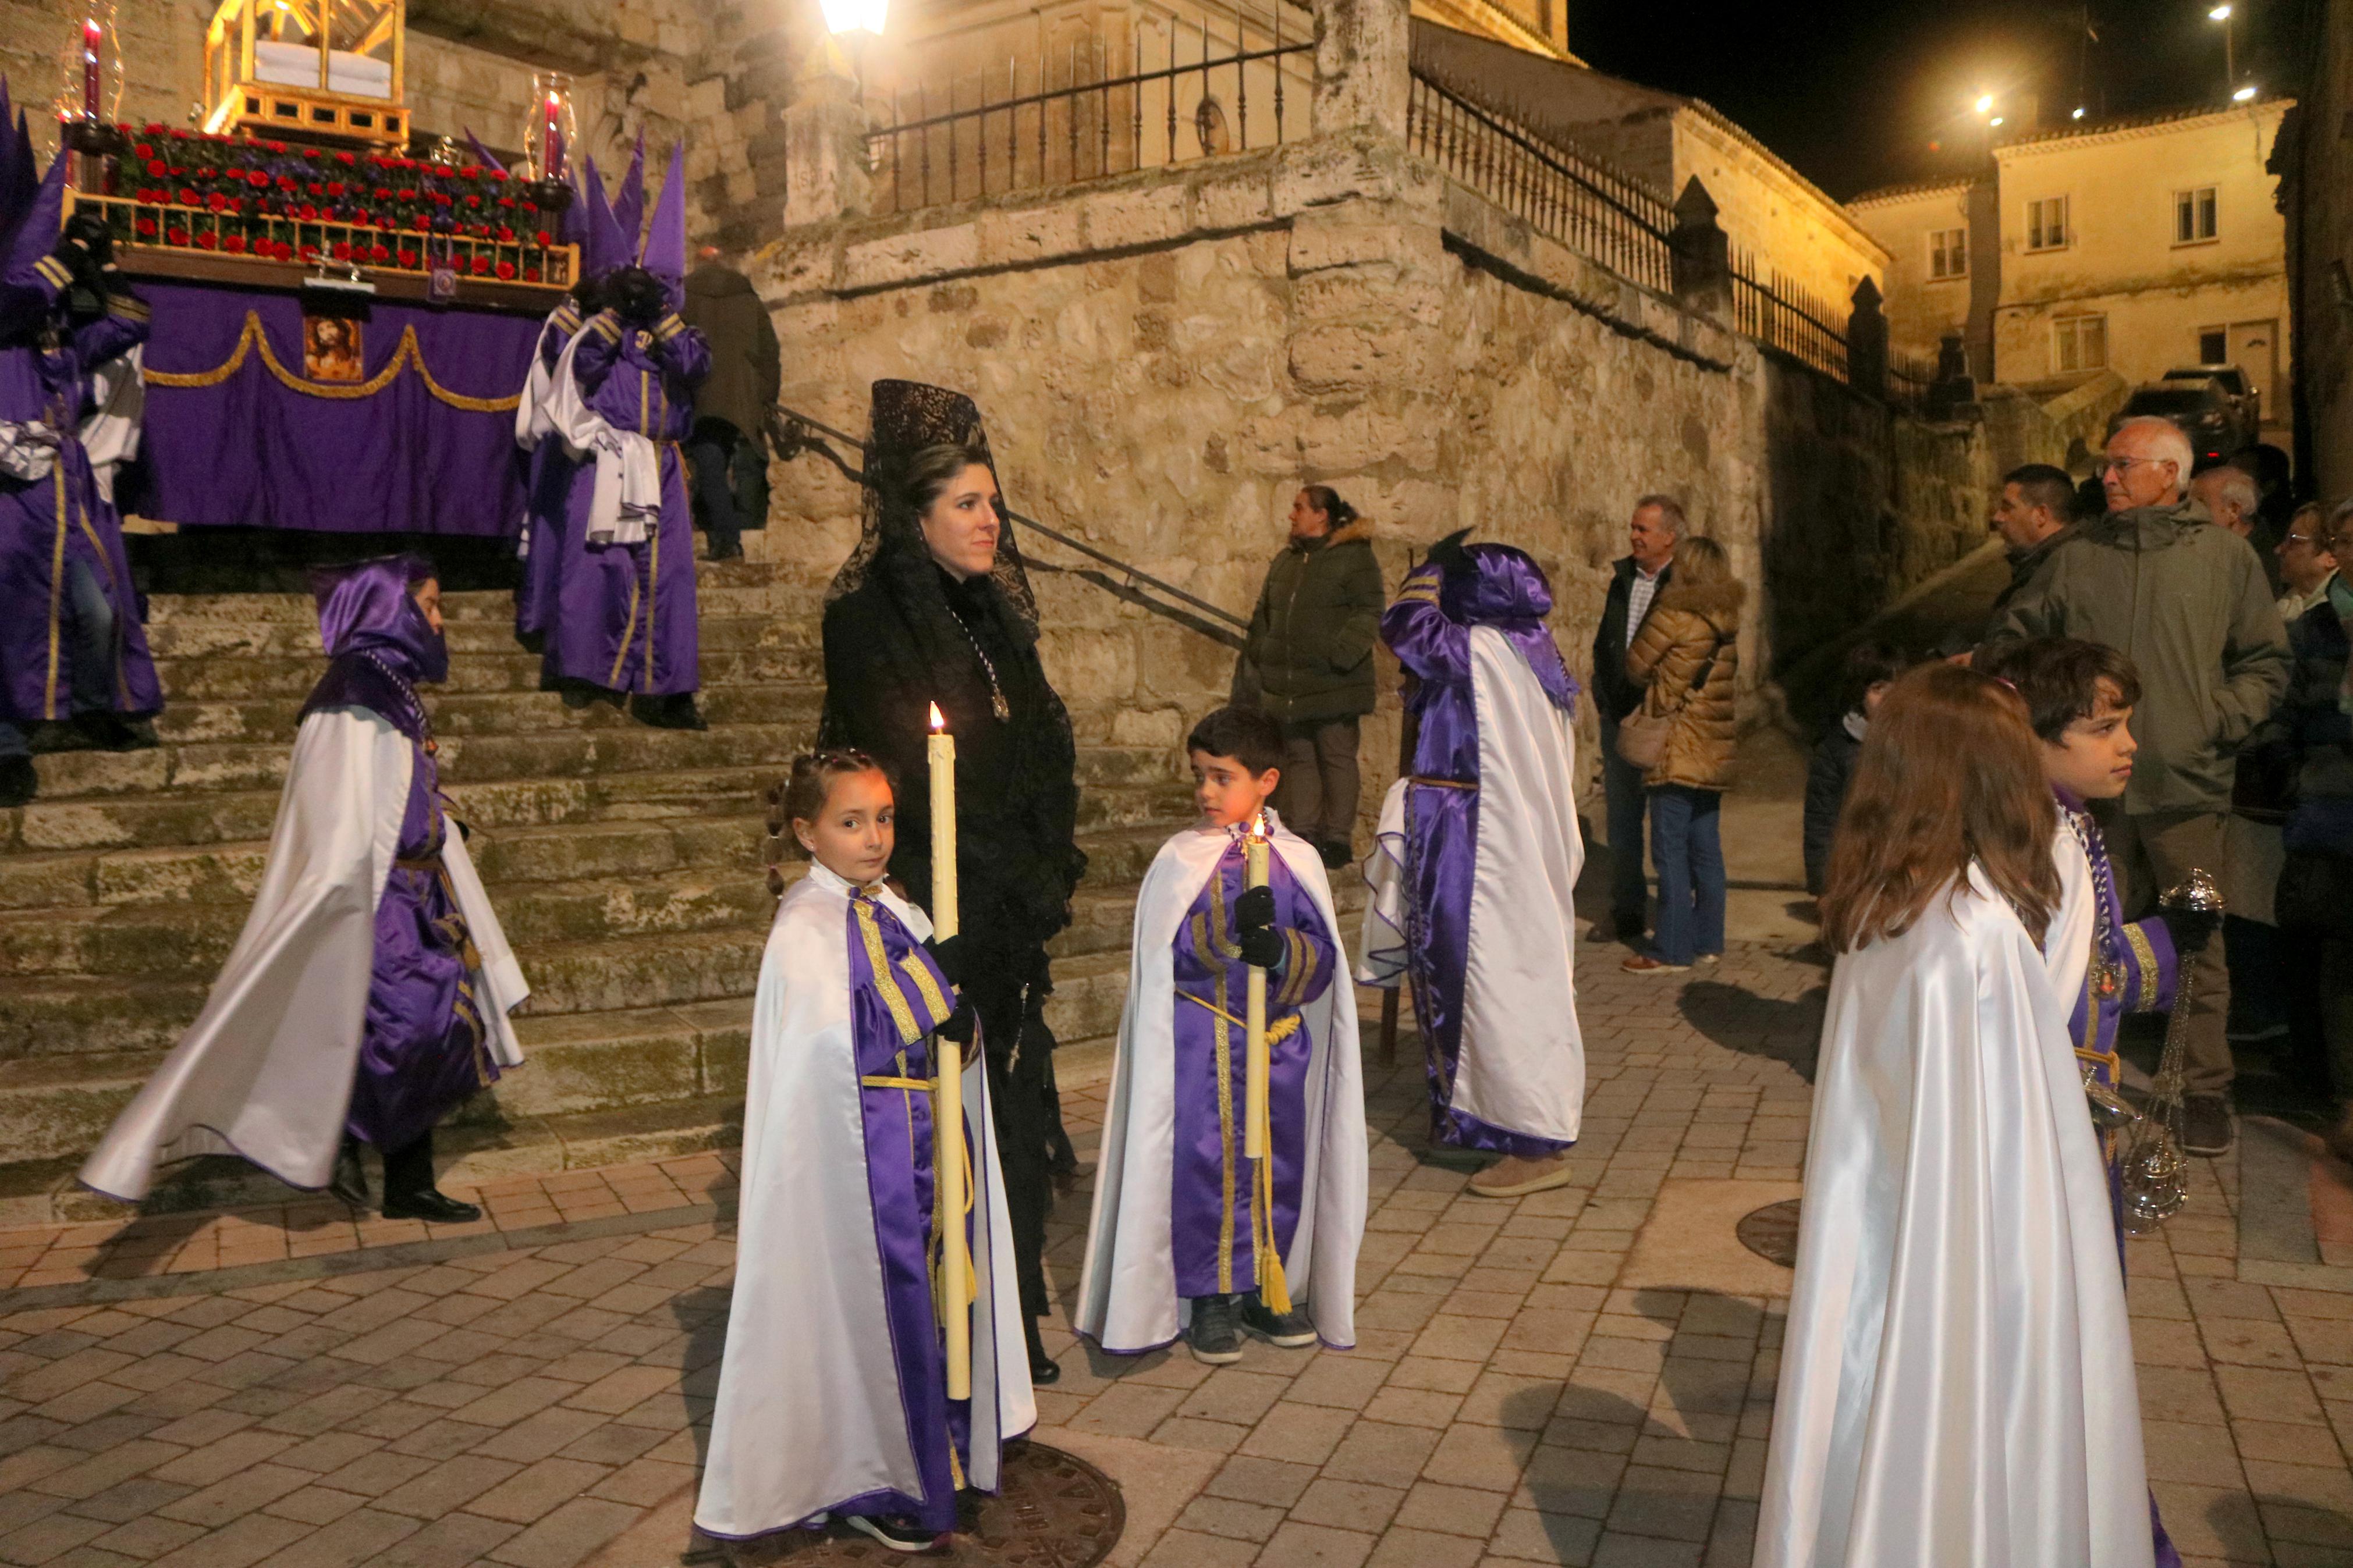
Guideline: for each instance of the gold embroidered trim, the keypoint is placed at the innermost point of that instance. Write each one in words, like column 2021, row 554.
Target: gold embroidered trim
column 409, row 353
column 917, row 972
column 926, row 1084
column 870, row 932
column 2143, row 996
column 56, row 273
column 1280, row 1030
column 56, row 593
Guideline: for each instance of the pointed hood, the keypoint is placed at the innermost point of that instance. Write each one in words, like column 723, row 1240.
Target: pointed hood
column 629, row 200
column 572, row 223
column 33, row 233
column 482, row 155
column 607, row 247
column 665, row 252
column 20, row 177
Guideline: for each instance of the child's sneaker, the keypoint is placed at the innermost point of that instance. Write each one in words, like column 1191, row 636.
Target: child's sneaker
column 895, row 1530
column 1289, row 1329
column 1213, row 1336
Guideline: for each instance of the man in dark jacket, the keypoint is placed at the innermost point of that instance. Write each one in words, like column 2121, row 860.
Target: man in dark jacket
column 1308, row 661
column 727, row 450
column 2190, row 606
column 1634, row 586
column 2034, row 517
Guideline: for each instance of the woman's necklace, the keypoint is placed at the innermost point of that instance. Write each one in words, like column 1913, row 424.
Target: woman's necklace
column 415, row 708
column 2108, row 971
column 997, row 703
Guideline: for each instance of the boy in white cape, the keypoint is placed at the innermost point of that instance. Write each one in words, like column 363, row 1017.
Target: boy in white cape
column 1189, row 1236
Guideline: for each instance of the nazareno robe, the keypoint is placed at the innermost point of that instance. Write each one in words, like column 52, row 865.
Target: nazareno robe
column 624, row 613
column 370, row 988
column 832, row 1394
column 1957, row 1382
column 1178, row 1212
column 58, row 517
column 550, row 469
column 1474, row 872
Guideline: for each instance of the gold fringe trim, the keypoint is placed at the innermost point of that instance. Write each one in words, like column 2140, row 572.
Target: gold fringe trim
column 409, row 353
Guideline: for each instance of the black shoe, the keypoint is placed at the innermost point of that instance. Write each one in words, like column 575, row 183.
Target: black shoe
column 430, row 1205
column 1213, row 1335
column 1336, row 854
column 131, row 734
column 53, row 735
column 733, row 552
column 1043, row 1368
column 675, row 713
column 18, row 783
column 2206, row 1125
column 895, row 1530
column 350, row 1181
column 1292, row 1330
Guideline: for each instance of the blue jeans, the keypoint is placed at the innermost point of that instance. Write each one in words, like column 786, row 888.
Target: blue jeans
column 94, row 640
column 1621, row 786
column 1691, row 872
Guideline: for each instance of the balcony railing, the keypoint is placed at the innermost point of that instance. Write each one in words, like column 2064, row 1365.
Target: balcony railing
column 1781, row 315
column 1583, row 204
column 1205, row 97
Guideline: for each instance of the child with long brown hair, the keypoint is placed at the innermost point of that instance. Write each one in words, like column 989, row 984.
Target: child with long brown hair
column 1957, row 1382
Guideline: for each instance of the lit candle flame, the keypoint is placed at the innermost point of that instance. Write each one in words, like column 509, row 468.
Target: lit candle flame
column 1258, row 825
column 938, row 723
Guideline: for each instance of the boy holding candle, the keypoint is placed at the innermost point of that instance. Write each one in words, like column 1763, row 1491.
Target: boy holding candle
column 1194, row 1231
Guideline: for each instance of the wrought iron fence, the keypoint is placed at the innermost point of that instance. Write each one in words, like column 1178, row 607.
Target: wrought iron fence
column 1780, row 315
column 1590, row 209
column 1081, row 122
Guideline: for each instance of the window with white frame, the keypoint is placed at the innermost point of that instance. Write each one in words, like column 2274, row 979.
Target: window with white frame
column 2079, row 343
column 1948, row 253
column 2046, row 223
column 2193, row 215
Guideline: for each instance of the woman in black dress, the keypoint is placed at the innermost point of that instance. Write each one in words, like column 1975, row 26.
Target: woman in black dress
column 933, row 606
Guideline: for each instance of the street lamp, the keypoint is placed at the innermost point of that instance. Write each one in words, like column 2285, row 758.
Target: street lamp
column 2244, row 95
column 1985, row 102
column 2224, row 15
column 855, row 16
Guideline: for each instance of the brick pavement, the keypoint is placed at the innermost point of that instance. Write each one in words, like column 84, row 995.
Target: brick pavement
column 1545, row 1381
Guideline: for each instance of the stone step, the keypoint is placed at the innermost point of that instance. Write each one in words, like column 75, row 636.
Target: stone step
column 739, row 587
column 273, row 719
column 290, row 675
column 226, row 635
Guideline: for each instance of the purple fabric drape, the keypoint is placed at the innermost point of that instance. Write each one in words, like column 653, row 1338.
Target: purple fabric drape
column 250, row 450
column 898, row 1175
column 1428, row 628
column 548, row 472
column 1213, row 1192
column 624, row 616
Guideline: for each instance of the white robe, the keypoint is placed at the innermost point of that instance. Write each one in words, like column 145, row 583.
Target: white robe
column 1956, row 1381
column 808, row 1414
column 1127, row 1290
column 265, row 1070
column 626, row 504
column 1522, row 1063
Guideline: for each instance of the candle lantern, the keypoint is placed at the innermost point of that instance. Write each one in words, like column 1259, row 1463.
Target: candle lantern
column 552, row 131
column 948, row 1163
column 91, row 91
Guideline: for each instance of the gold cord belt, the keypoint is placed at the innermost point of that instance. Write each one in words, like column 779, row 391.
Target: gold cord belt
column 928, row 1085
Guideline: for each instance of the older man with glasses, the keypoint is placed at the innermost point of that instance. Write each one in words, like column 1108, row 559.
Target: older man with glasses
column 2190, row 607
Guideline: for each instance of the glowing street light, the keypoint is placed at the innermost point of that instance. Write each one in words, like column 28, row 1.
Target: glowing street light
column 2219, row 14
column 2078, row 114
column 2244, row 95
column 1994, row 120
column 2229, row 46
column 1985, row 102
column 855, row 16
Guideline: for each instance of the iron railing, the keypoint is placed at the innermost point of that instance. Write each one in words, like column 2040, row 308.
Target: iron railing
column 1583, row 204
column 1079, row 122
column 1781, row 315
column 792, row 433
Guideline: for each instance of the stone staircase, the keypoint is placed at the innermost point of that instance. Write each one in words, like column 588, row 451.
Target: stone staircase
column 625, row 863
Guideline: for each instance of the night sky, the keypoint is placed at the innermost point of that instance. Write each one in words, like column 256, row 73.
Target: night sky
column 1854, row 93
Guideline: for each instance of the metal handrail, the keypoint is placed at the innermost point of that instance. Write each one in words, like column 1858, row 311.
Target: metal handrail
column 797, row 432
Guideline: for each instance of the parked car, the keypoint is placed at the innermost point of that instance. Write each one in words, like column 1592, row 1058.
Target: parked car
column 2212, row 405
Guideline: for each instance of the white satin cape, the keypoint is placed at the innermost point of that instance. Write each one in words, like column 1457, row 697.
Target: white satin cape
column 265, row 1072
column 1522, row 1063
column 1127, row 1290
column 1956, row 1382
column 626, row 503
column 808, row 1412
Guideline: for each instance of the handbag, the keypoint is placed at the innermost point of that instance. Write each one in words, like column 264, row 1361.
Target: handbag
column 1642, row 735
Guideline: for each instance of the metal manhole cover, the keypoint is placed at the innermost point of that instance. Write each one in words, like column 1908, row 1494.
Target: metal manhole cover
column 1771, row 1233
column 1056, row 1512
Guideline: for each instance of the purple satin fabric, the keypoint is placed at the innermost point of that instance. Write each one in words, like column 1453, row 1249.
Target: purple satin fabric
column 898, row 1175
column 250, row 452
column 63, row 516
column 1213, row 1187
column 369, row 606
column 423, row 1050
column 623, row 616
column 1431, row 636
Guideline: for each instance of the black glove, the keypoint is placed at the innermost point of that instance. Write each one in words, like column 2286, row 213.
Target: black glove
column 640, row 296
column 1261, row 947
column 591, row 296
column 1447, row 555
column 89, row 231
column 2190, row 930
column 1254, row 910
column 957, row 1026
column 948, row 953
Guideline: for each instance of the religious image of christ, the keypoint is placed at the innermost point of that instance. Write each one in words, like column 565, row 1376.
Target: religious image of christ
column 331, row 348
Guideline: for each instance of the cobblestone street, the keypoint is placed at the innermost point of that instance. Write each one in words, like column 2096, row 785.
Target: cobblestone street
column 1581, row 1377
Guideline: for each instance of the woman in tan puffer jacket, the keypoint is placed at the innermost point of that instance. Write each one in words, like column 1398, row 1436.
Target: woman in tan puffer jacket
column 1687, row 658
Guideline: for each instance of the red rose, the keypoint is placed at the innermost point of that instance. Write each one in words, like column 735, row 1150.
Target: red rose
column 142, row 151
column 420, row 222
column 334, row 187
column 311, row 153
column 187, row 197
column 307, row 212
column 154, row 168
column 481, row 266
column 256, row 178
column 281, row 250
column 178, row 134
column 206, row 240
column 506, row 203
column 473, row 201
column 340, row 251
column 310, row 253
column 176, row 234
column 379, row 255
column 216, row 202
column 146, row 229
column 471, row 171
column 286, row 183
column 408, row 258
column 234, row 245
column 314, row 189
column 506, row 235
column 530, row 274
column 543, row 237
column 154, row 128
column 499, row 174
column 273, row 146
column 506, row 270
column 346, row 159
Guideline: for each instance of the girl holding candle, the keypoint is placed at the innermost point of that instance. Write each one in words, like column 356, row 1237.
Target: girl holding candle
column 837, row 1392
column 1229, row 1197
column 934, row 608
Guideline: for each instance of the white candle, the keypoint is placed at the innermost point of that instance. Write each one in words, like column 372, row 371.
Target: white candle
column 947, row 1101
column 1254, row 1139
